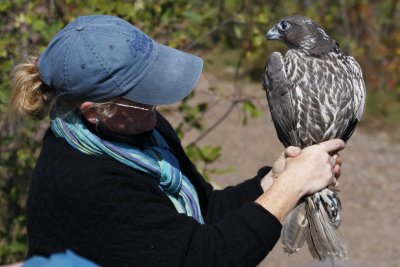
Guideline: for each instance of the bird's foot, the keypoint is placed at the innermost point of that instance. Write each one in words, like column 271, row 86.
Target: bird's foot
column 329, row 201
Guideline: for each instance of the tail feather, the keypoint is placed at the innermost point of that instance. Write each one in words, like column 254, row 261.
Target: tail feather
column 324, row 241
column 295, row 229
column 311, row 222
column 314, row 240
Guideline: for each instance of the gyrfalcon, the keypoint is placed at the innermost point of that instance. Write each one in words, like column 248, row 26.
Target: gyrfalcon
column 315, row 93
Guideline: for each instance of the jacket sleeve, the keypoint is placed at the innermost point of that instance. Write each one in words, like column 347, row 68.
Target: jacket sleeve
column 147, row 231
column 232, row 197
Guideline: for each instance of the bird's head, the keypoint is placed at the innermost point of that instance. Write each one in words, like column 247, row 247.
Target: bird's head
column 299, row 32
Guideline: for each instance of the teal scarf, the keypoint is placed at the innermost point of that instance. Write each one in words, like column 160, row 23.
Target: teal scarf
column 155, row 160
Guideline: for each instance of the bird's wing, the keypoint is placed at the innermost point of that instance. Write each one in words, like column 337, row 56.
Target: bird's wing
column 359, row 87
column 278, row 90
column 358, row 97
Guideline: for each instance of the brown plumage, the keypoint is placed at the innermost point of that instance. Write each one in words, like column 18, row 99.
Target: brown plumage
column 315, row 93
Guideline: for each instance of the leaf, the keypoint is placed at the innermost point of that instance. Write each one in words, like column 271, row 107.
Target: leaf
column 192, row 151
column 4, row 5
column 249, row 110
column 193, row 16
column 258, row 40
column 238, row 32
column 39, row 25
column 209, row 154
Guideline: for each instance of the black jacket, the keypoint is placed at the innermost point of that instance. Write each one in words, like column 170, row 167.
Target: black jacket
column 116, row 216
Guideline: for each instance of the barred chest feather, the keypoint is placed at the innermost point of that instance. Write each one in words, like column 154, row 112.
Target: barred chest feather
column 322, row 96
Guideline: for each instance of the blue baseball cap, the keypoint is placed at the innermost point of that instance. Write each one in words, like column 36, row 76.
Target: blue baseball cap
column 100, row 57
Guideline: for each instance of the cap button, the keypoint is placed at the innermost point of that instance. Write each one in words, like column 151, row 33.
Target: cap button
column 79, row 27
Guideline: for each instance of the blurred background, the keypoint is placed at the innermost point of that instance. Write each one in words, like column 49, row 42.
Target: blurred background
column 225, row 123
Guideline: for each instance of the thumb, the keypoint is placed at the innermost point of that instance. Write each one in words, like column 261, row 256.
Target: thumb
column 292, row 151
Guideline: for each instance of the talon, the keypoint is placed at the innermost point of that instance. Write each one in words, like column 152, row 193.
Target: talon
column 331, row 204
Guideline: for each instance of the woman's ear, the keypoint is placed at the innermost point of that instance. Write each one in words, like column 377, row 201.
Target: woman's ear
column 90, row 114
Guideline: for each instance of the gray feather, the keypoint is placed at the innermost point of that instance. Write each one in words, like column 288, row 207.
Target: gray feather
column 279, row 89
column 295, row 229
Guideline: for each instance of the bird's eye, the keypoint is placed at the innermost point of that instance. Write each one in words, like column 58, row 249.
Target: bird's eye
column 283, row 25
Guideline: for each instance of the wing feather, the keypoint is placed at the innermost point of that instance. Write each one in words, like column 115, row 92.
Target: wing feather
column 357, row 97
column 278, row 90
column 359, row 87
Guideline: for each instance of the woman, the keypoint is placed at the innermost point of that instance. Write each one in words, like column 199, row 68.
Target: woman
column 113, row 183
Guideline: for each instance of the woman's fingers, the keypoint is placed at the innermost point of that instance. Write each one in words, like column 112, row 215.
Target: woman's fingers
column 337, row 171
column 314, row 167
column 338, row 159
column 333, row 145
column 330, row 146
column 336, row 168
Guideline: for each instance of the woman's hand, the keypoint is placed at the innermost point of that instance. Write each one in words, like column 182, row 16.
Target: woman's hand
column 292, row 152
column 300, row 172
column 313, row 168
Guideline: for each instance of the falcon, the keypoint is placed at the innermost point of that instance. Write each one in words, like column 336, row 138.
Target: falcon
column 315, row 93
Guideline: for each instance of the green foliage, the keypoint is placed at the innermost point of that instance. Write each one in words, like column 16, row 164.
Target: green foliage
column 249, row 110
column 202, row 157
column 368, row 30
column 18, row 156
column 192, row 114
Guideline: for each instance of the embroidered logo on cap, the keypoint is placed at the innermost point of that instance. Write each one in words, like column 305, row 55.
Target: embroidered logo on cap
column 140, row 43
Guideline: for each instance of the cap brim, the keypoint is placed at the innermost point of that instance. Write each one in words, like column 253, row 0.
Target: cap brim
column 171, row 78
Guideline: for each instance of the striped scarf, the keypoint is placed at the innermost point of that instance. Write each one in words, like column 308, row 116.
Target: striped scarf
column 155, row 160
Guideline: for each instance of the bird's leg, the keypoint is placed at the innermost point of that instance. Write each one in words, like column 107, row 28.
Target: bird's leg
column 331, row 203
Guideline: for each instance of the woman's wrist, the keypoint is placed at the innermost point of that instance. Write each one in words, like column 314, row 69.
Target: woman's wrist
column 267, row 181
column 281, row 197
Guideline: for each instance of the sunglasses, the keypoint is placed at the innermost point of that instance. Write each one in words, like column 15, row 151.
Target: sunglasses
column 150, row 108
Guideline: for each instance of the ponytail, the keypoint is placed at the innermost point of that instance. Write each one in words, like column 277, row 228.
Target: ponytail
column 29, row 95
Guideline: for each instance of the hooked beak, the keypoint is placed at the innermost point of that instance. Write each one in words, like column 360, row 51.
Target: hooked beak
column 273, row 34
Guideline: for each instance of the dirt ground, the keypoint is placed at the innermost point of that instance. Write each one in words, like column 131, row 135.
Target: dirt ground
column 370, row 189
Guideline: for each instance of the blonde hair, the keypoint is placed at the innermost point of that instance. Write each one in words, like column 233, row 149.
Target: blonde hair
column 105, row 109
column 32, row 98
column 29, row 95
